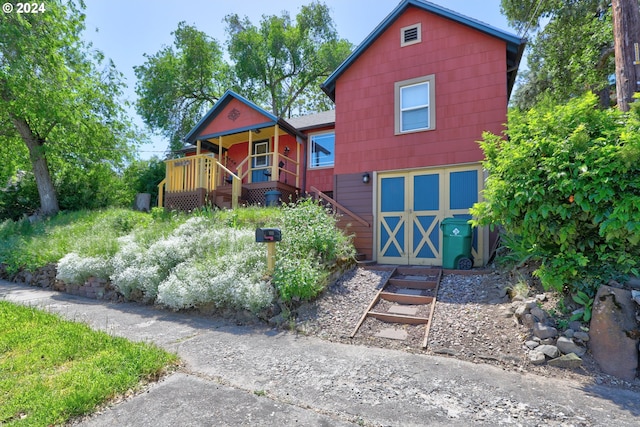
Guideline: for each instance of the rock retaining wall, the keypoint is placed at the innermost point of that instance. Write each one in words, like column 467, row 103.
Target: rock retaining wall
column 45, row 277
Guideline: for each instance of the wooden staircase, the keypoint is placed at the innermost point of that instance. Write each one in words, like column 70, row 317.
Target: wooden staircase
column 408, row 290
column 222, row 198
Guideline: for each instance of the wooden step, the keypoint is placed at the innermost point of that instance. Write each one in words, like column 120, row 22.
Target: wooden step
column 412, row 284
column 406, row 299
column 399, row 318
column 418, row 271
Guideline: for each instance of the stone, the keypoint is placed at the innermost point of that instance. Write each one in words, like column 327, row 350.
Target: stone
column 568, row 361
column 548, row 341
column 541, row 297
column 278, row 320
column 567, row 345
column 633, row 282
column 536, row 357
column 528, row 321
column 575, row 325
column 635, row 294
column 531, row 344
column 142, row 202
column 406, row 291
column 569, row 333
column 407, row 310
column 549, row 350
column 506, row 313
column 613, row 341
column 539, row 314
column 543, row 331
column 417, row 278
column 521, row 310
column 393, row 334
column 530, row 303
column 582, row 336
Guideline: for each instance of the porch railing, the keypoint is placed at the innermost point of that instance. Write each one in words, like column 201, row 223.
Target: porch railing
column 198, row 172
column 278, row 166
column 339, row 207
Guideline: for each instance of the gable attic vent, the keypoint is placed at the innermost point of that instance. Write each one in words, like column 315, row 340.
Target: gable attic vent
column 411, row 35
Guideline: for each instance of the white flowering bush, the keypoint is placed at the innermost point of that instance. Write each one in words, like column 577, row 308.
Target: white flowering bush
column 210, row 258
column 229, row 278
column 198, row 263
column 75, row 269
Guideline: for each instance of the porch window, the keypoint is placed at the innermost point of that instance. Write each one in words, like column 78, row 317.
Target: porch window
column 415, row 105
column 322, row 150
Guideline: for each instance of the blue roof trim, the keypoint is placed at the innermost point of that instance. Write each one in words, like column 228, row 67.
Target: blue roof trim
column 514, row 43
column 218, row 107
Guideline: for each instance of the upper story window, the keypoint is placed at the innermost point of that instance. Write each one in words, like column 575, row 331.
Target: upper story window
column 322, row 149
column 410, row 35
column 415, row 105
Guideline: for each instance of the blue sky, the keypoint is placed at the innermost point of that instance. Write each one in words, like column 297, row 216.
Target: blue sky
column 124, row 30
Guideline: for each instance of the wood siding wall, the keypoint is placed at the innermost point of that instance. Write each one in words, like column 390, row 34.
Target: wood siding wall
column 353, row 194
column 227, row 119
column 470, row 89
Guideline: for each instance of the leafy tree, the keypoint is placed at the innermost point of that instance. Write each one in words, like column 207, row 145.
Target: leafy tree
column 281, row 62
column 565, row 186
column 572, row 54
column 143, row 176
column 57, row 97
column 178, row 84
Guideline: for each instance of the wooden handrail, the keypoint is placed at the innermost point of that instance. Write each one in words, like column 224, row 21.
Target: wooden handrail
column 236, row 186
column 339, row 206
column 161, row 192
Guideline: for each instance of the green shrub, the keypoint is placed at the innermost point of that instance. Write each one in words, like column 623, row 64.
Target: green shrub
column 565, row 186
column 311, row 242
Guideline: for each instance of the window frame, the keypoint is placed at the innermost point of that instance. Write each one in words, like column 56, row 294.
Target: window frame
column 430, row 80
column 403, row 30
column 311, row 143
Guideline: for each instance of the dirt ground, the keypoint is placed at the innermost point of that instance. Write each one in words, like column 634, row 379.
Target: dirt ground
column 473, row 321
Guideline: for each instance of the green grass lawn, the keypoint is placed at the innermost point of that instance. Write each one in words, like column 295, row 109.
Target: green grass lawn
column 52, row 370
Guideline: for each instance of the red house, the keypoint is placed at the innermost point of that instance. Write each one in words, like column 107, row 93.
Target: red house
column 398, row 154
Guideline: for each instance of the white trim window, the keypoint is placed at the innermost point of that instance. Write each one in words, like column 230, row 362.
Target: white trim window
column 415, row 105
column 322, row 150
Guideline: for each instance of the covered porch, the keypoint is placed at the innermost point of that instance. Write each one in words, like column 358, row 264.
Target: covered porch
column 236, row 167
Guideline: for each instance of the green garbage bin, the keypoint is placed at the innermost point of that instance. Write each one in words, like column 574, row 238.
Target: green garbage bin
column 456, row 244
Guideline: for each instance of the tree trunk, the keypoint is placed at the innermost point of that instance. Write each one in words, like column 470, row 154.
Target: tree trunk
column 46, row 191
column 626, row 34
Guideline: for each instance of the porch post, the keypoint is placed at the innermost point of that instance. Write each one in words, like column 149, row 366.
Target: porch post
column 274, row 167
column 298, row 149
column 199, row 165
column 250, row 157
column 198, row 147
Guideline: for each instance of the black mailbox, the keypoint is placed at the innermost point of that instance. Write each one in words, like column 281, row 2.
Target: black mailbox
column 268, row 235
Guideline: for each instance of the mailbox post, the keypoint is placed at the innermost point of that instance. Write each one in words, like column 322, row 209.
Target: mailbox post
column 269, row 236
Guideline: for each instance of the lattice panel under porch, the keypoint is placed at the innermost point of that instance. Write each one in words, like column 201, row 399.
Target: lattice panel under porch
column 187, row 201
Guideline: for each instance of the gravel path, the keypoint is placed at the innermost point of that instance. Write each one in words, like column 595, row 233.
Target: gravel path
column 473, row 321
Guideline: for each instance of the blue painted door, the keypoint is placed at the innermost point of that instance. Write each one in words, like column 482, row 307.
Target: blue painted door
column 260, row 162
column 411, row 206
column 425, row 215
column 392, row 220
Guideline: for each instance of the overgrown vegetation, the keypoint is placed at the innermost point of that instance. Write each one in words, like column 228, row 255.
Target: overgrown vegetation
column 207, row 258
column 52, row 370
column 91, row 188
column 565, row 186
